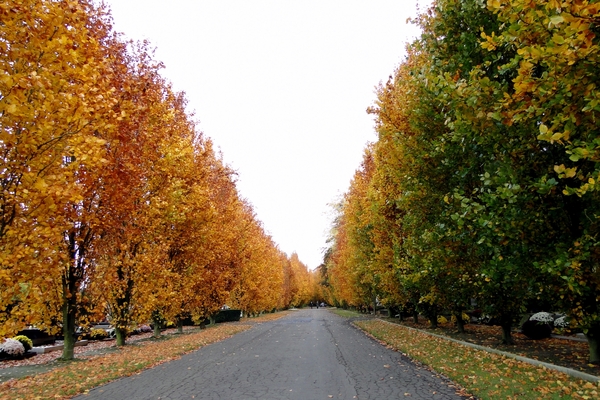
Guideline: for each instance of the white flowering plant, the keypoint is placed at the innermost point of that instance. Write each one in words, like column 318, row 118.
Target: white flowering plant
column 12, row 348
column 558, row 321
column 542, row 317
column 561, row 322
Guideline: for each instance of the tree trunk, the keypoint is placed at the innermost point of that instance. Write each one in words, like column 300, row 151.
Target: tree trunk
column 374, row 299
column 71, row 280
column 415, row 316
column 122, row 313
column 179, row 325
column 157, row 324
column 121, row 336
column 433, row 322
column 593, row 336
column 460, row 324
column 507, row 333
column 69, row 304
column 68, row 328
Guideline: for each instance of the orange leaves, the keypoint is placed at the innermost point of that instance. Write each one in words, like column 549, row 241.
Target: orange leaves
column 109, row 191
column 55, row 98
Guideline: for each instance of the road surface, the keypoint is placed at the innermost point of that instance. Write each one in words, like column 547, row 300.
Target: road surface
column 309, row 354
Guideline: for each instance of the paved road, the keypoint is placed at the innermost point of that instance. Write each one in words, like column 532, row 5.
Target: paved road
column 310, row 354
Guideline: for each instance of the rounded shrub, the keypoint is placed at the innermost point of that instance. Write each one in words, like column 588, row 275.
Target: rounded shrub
column 98, row 334
column 464, row 317
column 25, row 341
column 538, row 326
column 12, row 348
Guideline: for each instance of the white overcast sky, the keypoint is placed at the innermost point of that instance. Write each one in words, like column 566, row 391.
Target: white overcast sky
column 281, row 87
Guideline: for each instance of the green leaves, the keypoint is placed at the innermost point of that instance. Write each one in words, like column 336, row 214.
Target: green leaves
column 488, row 151
column 556, row 19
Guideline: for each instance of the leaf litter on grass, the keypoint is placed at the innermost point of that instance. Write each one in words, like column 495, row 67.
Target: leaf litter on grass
column 486, row 375
column 83, row 374
column 80, row 375
column 567, row 353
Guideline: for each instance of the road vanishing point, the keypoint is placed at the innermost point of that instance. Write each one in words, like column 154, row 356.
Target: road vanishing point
column 309, row 354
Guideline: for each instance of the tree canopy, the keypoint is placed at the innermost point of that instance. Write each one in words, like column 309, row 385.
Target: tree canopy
column 113, row 204
column 484, row 180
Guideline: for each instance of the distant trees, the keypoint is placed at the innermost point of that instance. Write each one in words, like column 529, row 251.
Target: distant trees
column 484, row 178
column 112, row 203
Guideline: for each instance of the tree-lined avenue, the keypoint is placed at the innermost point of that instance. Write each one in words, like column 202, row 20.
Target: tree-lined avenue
column 309, row 354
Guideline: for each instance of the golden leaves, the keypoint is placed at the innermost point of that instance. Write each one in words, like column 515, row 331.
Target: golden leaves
column 108, row 177
column 494, row 4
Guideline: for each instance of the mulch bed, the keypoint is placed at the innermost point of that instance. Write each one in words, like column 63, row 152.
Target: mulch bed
column 564, row 352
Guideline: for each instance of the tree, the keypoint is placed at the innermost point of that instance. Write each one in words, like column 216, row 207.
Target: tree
column 555, row 96
column 260, row 281
column 478, row 176
column 57, row 105
column 130, row 182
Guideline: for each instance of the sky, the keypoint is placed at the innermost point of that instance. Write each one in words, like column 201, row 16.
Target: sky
column 282, row 88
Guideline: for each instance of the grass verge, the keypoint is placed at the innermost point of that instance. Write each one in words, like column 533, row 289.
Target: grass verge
column 80, row 375
column 346, row 313
column 485, row 375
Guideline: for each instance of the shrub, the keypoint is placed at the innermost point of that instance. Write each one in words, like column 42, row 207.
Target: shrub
column 12, row 348
column 464, row 316
column 538, row 326
column 561, row 322
column 441, row 319
column 542, row 317
column 25, row 341
column 98, row 334
column 227, row 316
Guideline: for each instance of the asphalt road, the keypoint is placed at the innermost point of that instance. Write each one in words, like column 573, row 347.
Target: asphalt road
column 310, row 354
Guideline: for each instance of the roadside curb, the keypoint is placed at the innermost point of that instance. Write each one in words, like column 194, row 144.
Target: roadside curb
column 568, row 371
column 47, row 349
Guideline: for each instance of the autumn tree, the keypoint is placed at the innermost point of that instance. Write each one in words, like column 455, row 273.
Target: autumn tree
column 260, row 281
column 459, row 190
column 57, row 106
column 358, row 216
column 339, row 268
column 501, row 174
column 554, row 99
column 478, row 208
column 135, row 172
column 299, row 281
column 391, row 189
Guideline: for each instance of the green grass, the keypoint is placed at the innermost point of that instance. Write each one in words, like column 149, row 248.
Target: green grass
column 483, row 374
column 346, row 313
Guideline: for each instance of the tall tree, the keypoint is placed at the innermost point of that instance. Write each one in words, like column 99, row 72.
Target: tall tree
column 56, row 107
column 555, row 101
